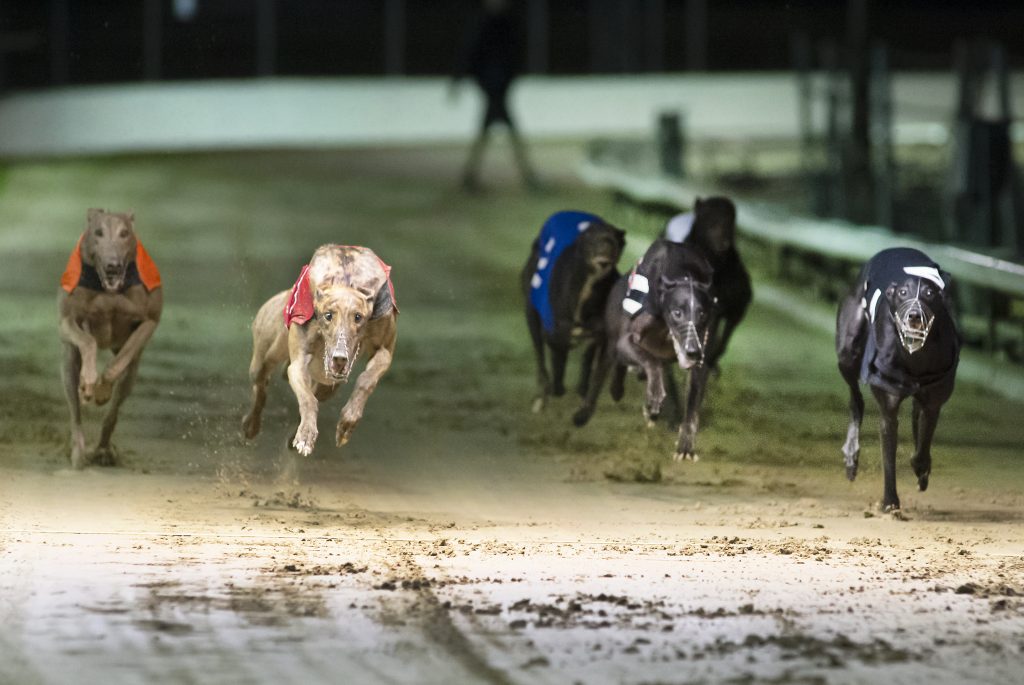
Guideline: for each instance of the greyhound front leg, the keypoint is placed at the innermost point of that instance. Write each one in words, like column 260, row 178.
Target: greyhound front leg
column 127, row 356
column 925, row 421
column 631, row 353
column 299, row 379
column 352, row 412
column 71, row 369
column 889, row 405
column 73, row 334
column 686, row 446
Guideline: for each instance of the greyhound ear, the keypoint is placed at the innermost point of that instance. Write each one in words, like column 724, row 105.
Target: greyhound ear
column 93, row 215
column 889, row 292
column 382, row 303
column 621, row 235
column 130, row 217
column 697, row 205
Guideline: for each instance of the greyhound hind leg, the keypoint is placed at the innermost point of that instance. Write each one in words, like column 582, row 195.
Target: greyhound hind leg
column 851, row 338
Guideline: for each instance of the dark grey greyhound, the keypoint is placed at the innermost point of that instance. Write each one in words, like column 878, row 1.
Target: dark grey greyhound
column 662, row 312
column 896, row 331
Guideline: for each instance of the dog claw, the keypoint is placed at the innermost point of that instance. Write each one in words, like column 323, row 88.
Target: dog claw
column 344, row 433
column 686, row 456
column 538, row 405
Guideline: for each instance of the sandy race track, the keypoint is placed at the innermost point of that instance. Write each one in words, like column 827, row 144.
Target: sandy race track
column 458, row 538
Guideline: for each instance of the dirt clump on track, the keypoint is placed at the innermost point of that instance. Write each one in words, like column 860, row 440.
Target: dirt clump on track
column 459, row 538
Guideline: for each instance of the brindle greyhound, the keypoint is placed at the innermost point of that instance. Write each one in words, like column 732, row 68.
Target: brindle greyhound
column 664, row 311
column 565, row 283
column 342, row 303
column 896, row 331
column 110, row 298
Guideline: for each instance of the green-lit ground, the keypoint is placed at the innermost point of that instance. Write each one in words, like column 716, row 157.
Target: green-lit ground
column 459, row 537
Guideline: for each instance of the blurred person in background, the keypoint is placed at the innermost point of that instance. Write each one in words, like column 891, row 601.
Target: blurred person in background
column 493, row 58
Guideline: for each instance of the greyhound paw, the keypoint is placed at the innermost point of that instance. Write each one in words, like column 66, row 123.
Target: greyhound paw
column 538, row 405
column 86, row 391
column 891, row 507
column 104, row 456
column 558, row 390
column 922, row 469
column 305, row 438
column 102, row 391
column 78, row 456
column 345, row 428
column 686, row 455
column 851, row 472
column 250, row 426
column 580, row 418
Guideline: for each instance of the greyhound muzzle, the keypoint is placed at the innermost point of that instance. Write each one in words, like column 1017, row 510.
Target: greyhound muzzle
column 913, row 321
column 339, row 359
column 690, row 346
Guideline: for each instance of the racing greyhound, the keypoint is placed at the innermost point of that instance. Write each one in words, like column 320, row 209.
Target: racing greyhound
column 896, row 331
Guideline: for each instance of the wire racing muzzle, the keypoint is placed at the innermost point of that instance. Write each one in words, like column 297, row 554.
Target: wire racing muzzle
column 691, row 337
column 913, row 320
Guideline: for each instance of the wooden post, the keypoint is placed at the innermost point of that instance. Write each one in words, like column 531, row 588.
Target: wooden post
column 883, row 166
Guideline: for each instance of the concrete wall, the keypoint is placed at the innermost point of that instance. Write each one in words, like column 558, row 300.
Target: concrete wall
column 337, row 112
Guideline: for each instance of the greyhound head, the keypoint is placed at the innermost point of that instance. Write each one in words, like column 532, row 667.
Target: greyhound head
column 601, row 245
column 109, row 246
column 687, row 305
column 340, row 313
column 912, row 308
column 714, row 224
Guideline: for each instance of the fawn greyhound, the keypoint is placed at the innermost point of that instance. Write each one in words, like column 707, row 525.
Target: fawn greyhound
column 110, row 298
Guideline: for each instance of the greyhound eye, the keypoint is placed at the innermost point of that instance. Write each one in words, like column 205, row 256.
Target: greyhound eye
column 677, row 313
column 903, row 292
column 99, row 232
column 123, row 233
column 328, row 316
column 358, row 317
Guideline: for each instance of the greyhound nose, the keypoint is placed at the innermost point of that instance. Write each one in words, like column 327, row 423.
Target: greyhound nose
column 914, row 317
column 338, row 364
column 692, row 350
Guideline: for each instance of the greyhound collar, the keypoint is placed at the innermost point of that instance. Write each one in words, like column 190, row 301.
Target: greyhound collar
column 78, row 274
column 913, row 337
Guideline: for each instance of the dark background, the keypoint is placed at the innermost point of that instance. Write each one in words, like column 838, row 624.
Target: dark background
column 54, row 42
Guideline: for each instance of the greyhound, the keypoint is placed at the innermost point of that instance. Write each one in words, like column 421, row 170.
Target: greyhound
column 662, row 312
column 565, row 282
column 111, row 298
column 342, row 303
column 713, row 232
column 896, row 331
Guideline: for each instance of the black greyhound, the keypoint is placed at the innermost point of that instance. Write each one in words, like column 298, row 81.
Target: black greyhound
column 896, row 331
column 662, row 312
column 713, row 232
column 565, row 282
